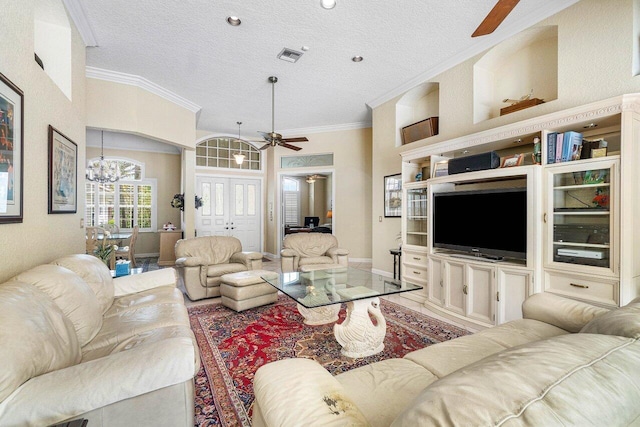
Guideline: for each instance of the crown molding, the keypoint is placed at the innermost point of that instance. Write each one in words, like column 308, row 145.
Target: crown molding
column 79, row 17
column 142, row 83
column 328, row 128
column 501, row 34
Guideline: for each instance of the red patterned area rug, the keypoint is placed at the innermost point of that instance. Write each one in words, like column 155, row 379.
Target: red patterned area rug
column 234, row 345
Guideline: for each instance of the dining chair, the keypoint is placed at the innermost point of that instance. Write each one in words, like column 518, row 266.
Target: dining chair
column 128, row 252
column 92, row 240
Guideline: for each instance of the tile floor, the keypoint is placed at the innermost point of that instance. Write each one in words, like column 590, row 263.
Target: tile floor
column 274, row 265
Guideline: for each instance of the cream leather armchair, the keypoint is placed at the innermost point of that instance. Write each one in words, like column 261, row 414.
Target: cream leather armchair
column 311, row 250
column 201, row 261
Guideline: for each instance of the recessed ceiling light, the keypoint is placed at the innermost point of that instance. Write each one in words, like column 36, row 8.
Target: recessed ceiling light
column 328, row 4
column 305, row 48
column 590, row 125
column 357, row 58
column 234, row 21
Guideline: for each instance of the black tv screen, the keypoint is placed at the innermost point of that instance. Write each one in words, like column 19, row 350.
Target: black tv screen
column 487, row 222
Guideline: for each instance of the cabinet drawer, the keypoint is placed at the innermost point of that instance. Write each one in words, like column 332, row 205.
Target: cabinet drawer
column 413, row 274
column 414, row 258
column 601, row 291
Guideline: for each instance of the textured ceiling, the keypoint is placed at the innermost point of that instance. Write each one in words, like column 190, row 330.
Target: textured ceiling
column 188, row 48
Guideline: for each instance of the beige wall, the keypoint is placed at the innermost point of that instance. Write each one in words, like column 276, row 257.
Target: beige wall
column 130, row 109
column 165, row 168
column 352, row 176
column 40, row 237
column 595, row 55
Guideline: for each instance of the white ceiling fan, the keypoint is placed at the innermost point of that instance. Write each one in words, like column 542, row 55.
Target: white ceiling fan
column 272, row 137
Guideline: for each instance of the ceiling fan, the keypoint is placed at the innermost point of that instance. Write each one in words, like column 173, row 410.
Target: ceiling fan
column 495, row 17
column 272, row 137
column 312, row 178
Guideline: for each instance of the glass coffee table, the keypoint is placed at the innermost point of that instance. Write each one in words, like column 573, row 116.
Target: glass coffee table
column 320, row 293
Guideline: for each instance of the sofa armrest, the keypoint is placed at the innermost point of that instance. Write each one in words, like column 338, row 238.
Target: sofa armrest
column 564, row 313
column 190, row 262
column 81, row 388
column 320, row 398
column 251, row 260
column 289, row 260
column 134, row 283
column 339, row 256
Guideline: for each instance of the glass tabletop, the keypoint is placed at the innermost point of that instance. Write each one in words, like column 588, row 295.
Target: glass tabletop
column 333, row 286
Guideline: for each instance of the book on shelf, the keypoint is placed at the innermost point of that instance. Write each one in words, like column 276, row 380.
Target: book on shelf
column 551, row 147
column 564, row 147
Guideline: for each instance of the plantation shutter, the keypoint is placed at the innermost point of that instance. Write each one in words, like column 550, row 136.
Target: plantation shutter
column 291, row 208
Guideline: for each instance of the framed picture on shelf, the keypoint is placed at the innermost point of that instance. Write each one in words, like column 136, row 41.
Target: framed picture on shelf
column 511, row 161
column 63, row 173
column 393, row 195
column 11, row 151
column 440, row 169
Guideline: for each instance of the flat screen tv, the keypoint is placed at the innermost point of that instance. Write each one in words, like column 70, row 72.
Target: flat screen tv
column 491, row 223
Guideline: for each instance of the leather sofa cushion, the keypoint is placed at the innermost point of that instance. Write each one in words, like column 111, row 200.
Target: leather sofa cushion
column 222, row 269
column 315, row 260
column 137, row 320
column 210, row 249
column 623, row 322
column 309, row 245
column 45, row 343
column 159, row 295
column 401, row 379
column 564, row 313
column 95, row 273
column 71, row 294
column 575, row 379
column 449, row 356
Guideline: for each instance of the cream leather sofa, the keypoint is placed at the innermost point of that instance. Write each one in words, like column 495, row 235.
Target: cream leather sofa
column 202, row 261
column 311, row 251
column 565, row 364
column 75, row 343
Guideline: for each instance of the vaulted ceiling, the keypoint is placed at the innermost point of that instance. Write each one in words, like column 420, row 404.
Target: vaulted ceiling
column 188, row 48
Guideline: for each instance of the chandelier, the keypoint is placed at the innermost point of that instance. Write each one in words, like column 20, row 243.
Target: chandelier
column 102, row 171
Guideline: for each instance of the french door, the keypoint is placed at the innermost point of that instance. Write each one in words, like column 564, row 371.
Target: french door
column 230, row 207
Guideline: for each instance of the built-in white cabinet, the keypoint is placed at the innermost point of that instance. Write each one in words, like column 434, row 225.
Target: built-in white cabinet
column 415, row 270
column 480, row 293
column 583, row 226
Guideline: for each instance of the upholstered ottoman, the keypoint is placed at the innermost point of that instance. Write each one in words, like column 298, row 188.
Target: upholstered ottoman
column 246, row 289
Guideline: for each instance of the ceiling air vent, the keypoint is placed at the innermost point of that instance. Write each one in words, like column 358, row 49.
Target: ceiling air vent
column 289, row 55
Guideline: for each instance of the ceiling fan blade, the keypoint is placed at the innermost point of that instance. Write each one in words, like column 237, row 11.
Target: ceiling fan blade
column 495, row 17
column 292, row 147
column 301, row 139
column 265, row 146
column 265, row 135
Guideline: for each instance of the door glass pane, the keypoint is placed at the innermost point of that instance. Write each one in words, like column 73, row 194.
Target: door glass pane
column 90, row 205
column 106, row 194
column 219, row 199
column 144, row 207
column 206, row 199
column 251, row 199
column 239, row 199
column 125, row 205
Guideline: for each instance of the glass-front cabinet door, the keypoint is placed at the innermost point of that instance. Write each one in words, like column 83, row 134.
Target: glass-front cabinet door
column 580, row 215
column 416, row 224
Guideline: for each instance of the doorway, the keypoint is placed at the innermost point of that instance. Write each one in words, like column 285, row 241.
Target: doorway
column 230, row 207
column 306, row 198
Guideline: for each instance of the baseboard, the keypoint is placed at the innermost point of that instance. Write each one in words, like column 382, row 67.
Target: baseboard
column 149, row 255
column 382, row 273
column 367, row 260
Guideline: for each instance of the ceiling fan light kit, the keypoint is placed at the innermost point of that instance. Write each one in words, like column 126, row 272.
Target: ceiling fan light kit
column 234, row 21
column 272, row 137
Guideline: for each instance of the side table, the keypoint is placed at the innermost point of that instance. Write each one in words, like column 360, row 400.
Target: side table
column 168, row 239
column 397, row 258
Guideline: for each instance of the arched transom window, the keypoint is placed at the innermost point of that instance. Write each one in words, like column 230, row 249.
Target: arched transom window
column 218, row 153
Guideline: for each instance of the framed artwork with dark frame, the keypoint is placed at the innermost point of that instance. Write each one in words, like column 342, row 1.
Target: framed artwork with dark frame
column 393, row 196
column 63, row 173
column 11, row 151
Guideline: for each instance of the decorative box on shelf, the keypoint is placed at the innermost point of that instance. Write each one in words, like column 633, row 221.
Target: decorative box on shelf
column 420, row 130
column 123, row 268
column 521, row 105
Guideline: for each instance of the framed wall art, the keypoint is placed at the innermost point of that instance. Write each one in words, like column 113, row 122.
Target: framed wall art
column 11, row 151
column 393, row 195
column 63, row 173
